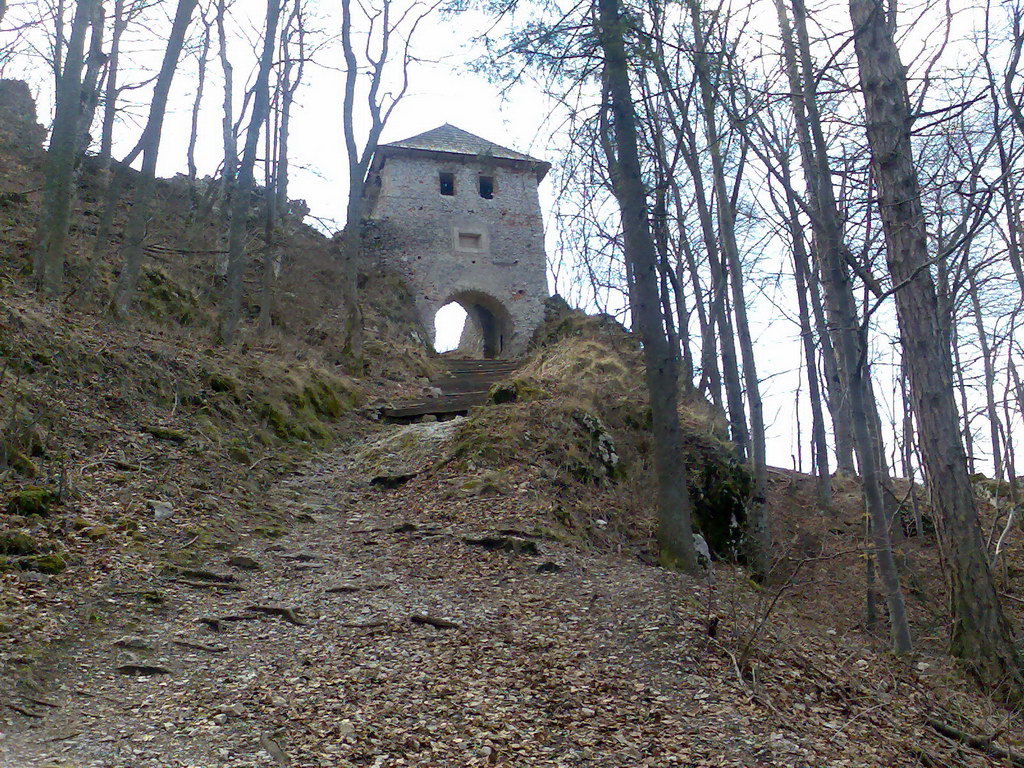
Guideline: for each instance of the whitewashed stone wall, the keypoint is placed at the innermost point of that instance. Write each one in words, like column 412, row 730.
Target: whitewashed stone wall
column 463, row 247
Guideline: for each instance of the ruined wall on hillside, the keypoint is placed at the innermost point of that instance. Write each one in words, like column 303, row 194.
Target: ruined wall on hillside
column 20, row 132
column 21, row 142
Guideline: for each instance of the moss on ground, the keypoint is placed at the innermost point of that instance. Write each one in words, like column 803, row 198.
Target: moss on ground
column 50, row 563
column 32, row 501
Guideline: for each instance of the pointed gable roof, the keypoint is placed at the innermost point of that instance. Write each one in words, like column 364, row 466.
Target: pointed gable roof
column 450, row 140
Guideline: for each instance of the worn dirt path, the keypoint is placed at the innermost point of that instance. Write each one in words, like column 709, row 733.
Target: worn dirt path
column 554, row 656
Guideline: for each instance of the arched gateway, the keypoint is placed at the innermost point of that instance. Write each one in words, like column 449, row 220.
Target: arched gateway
column 459, row 219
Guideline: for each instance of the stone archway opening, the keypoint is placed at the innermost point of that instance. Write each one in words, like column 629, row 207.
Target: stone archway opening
column 449, row 323
column 486, row 326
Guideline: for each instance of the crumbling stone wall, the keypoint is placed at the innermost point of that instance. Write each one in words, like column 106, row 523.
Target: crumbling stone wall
column 21, row 136
column 487, row 254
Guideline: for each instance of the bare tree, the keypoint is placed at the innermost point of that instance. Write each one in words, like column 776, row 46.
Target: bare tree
column 384, row 28
column 118, row 25
column 980, row 632
column 759, row 536
column 95, row 63
column 59, row 169
column 675, row 535
column 227, row 118
column 135, row 230
column 293, row 61
column 231, row 308
column 801, row 270
column 193, row 135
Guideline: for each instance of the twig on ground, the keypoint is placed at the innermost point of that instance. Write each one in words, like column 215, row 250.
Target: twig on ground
column 200, row 646
column 419, row 618
column 23, row 711
column 981, row 743
column 288, row 614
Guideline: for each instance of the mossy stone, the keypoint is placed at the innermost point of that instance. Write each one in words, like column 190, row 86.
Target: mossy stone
column 51, row 563
column 491, row 483
column 17, row 543
column 22, row 464
column 206, row 426
column 96, row 532
column 225, row 383
column 237, row 452
column 502, row 392
column 313, row 426
column 32, row 501
column 277, row 418
column 514, row 391
column 165, row 433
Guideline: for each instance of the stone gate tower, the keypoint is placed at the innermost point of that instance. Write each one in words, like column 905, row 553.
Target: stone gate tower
column 459, row 219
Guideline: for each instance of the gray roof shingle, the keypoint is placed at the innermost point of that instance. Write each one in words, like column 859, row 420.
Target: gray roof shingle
column 448, row 138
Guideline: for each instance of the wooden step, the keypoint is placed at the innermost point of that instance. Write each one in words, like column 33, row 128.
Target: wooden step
column 503, row 371
column 438, row 406
column 466, row 386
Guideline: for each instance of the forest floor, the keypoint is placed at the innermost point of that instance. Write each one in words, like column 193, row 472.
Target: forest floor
column 234, row 567
column 423, row 625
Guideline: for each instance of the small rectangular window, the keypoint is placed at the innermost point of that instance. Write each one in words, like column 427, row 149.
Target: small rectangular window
column 487, row 187
column 469, row 241
column 447, row 183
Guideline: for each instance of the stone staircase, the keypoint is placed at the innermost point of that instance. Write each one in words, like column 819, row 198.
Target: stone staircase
column 465, row 385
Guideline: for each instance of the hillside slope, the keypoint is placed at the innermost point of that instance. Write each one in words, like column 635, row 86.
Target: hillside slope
column 128, row 447
column 218, row 557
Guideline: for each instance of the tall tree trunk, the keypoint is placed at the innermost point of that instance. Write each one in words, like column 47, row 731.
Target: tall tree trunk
column 718, row 315
column 908, row 449
column 826, row 220
column 91, row 85
column 850, row 353
column 352, row 236
column 58, row 43
column 231, row 309
column 193, row 135
column 135, row 231
column 683, row 332
column 759, row 536
column 270, row 262
column 980, row 632
column 961, row 388
column 851, row 371
column 835, row 393
column 227, row 119
column 710, row 377
column 59, row 168
column 990, row 375
column 801, row 267
column 116, row 179
column 289, row 85
column 111, row 89
column 675, row 323
column 675, row 536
